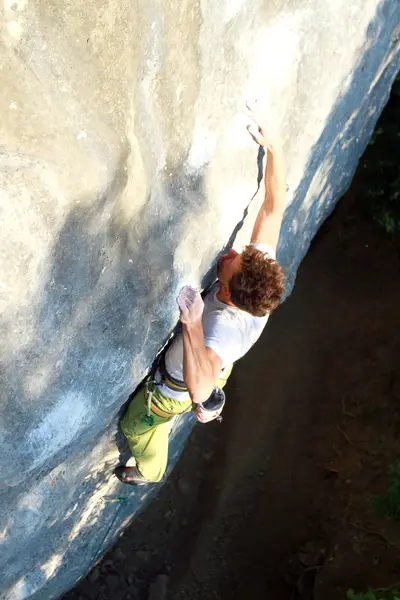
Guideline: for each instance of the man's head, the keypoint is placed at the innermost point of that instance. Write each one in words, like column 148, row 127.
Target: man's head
column 251, row 280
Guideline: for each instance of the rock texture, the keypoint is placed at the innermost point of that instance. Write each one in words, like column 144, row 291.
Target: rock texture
column 125, row 169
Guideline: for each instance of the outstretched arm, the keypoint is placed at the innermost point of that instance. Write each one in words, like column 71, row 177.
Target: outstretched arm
column 201, row 365
column 269, row 219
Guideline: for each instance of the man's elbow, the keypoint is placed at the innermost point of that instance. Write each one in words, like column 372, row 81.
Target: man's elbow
column 196, row 398
column 200, row 392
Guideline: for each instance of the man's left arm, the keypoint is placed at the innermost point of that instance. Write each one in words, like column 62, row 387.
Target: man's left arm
column 269, row 219
column 201, row 365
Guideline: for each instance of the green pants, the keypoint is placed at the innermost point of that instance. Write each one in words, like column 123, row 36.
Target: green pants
column 148, row 438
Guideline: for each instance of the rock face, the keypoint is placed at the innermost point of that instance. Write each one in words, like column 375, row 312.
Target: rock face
column 125, row 170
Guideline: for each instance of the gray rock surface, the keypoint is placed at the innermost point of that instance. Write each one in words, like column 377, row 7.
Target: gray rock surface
column 125, row 169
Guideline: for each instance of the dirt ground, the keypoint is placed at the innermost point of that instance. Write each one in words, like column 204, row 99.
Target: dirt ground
column 275, row 502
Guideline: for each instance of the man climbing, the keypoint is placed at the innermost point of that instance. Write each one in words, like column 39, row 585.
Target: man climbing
column 215, row 333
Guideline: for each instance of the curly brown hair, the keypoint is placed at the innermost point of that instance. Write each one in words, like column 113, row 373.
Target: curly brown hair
column 259, row 285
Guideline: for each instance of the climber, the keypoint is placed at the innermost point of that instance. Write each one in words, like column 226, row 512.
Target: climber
column 215, row 332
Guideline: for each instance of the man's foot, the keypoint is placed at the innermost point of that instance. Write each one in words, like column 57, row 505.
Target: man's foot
column 130, row 476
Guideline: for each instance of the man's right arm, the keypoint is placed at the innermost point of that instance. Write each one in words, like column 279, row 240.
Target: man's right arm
column 269, row 219
column 201, row 365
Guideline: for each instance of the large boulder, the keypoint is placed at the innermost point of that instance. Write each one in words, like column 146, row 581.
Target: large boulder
column 125, row 170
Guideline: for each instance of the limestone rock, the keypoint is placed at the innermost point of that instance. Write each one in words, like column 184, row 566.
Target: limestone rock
column 125, row 167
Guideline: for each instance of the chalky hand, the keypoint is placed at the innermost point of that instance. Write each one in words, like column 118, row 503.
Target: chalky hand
column 191, row 305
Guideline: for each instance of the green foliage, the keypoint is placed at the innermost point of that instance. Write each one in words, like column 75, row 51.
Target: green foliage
column 384, row 199
column 380, row 181
column 389, row 504
column 373, row 595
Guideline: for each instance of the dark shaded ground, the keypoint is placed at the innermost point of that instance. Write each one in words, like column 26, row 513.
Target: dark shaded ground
column 275, row 501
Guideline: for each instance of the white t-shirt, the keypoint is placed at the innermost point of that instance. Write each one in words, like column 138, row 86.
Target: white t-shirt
column 228, row 330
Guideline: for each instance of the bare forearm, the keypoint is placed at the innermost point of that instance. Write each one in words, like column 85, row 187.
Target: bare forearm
column 197, row 369
column 268, row 223
column 275, row 185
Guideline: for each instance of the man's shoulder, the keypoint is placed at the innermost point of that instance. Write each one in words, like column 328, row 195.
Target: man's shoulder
column 227, row 323
column 265, row 248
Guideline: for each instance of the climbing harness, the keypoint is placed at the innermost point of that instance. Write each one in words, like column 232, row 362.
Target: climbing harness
column 158, row 369
column 173, row 384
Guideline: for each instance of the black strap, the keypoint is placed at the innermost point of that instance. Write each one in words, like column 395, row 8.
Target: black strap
column 160, row 356
column 168, row 380
column 159, row 365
